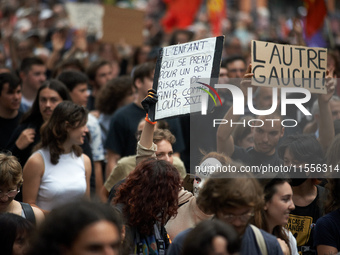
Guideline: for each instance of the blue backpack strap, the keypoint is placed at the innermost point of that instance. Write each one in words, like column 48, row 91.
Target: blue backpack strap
column 28, row 211
column 138, row 242
column 159, row 240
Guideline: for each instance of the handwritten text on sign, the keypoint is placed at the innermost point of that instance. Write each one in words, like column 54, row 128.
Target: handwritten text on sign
column 181, row 65
column 86, row 16
column 278, row 65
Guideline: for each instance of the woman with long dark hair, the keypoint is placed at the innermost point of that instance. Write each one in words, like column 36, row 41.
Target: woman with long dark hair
column 147, row 199
column 27, row 135
column 59, row 172
column 278, row 199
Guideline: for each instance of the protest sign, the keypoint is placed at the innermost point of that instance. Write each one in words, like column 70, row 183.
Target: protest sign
column 110, row 24
column 278, row 65
column 178, row 68
column 86, row 16
column 123, row 25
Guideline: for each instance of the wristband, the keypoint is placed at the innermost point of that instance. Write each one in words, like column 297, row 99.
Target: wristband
column 149, row 121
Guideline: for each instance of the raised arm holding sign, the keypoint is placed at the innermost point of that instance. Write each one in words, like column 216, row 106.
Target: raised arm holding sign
column 269, row 125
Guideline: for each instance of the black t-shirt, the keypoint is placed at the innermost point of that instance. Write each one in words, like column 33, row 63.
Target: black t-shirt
column 7, row 127
column 327, row 230
column 302, row 222
column 91, row 103
column 24, row 154
column 121, row 137
column 88, row 152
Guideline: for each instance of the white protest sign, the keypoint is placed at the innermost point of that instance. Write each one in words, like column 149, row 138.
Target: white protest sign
column 86, row 16
column 278, row 65
column 178, row 67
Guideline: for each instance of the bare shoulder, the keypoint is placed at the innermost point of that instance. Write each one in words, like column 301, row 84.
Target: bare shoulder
column 35, row 164
column 86, row 158
column 36, row 158
column 39, row 215
column 87, row 163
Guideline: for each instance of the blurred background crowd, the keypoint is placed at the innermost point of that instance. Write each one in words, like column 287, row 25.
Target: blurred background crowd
column 45, row 28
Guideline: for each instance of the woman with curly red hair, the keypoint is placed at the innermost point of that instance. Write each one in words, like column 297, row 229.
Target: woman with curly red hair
column 147, row 199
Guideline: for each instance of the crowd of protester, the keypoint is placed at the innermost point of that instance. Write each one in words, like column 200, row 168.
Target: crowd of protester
column 84, row 170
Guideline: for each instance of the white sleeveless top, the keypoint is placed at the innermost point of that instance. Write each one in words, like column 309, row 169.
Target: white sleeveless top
column 61, row 183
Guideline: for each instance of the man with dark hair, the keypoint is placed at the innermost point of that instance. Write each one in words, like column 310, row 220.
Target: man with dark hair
column 268, row 130
column 236, row 66
column 121, row 140
column 26, row 135
column 266, row 139
column 99, row 73
column 10, row 98
column 266, row 135
column 76, row 83
column 32, row 74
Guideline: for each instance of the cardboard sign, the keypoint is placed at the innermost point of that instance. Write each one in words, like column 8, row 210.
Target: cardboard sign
column 86, row 16
column 278, row 65
column 123, row 25
column 177, row 68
